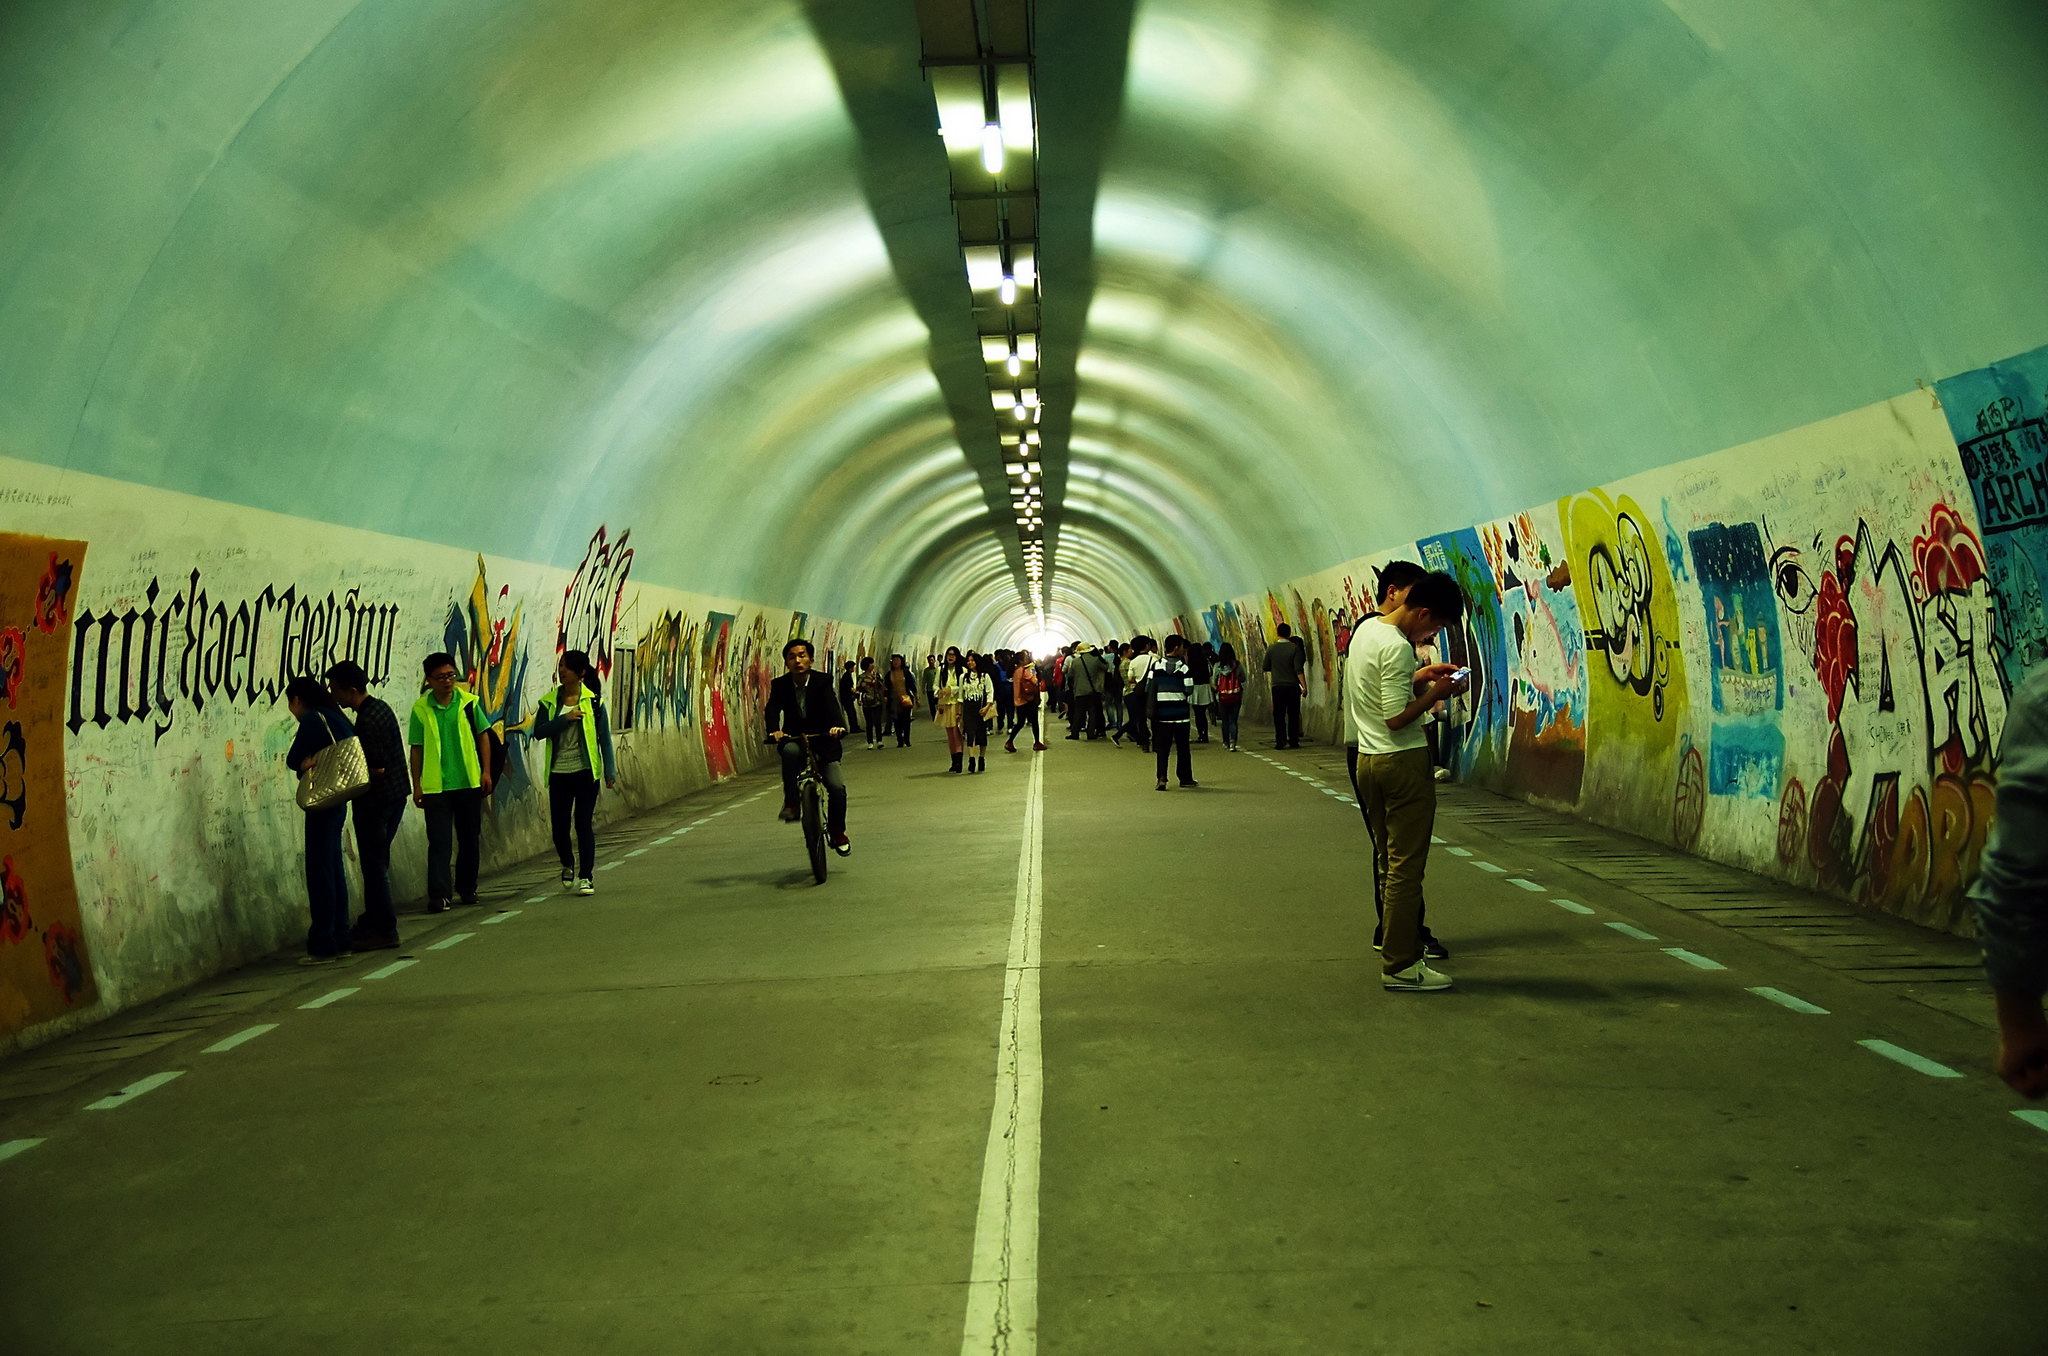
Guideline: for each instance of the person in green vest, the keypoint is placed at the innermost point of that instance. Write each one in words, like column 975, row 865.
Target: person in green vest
column 451, row 775
column 572, row 719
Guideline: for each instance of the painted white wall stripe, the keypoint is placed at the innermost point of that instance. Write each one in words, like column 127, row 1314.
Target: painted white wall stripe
column 387, row 971
column 499, row 918
column 1531, row 886
column 1918, row 1063
column 242, row 1037
column 1786, row 1000
column 1693, row 958
column 133, row 1091
column 1002, row 1290
column 1573, row 906
column 324, row 999
column 447, row 942
column 1631, row 930
column 2037, row 1119
column 16, row 1146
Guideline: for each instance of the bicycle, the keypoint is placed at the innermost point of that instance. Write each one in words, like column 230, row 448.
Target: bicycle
column 810, row 805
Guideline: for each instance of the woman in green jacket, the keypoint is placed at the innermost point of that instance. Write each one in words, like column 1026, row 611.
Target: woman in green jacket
column 573, row 720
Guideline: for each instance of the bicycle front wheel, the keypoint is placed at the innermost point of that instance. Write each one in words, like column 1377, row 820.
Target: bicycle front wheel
column 813, row 808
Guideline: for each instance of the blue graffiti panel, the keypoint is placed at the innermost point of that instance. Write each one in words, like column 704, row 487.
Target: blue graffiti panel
column 1747, row 747
column 1999, row 416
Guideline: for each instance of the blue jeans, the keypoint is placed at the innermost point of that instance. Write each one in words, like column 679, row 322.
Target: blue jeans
column 1228, row 715
column 326, row 882
column 376, row 825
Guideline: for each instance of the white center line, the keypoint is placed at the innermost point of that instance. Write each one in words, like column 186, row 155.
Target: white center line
column 388, row 971
column 611, row 866
column 1002, row 1292
column 1459, row 852
column 1786, row 1000
column 324, row 999
column 538, row 899
column 447, row 942
column 16, row 1146
column 1917, row 1063
column 1573, row 906
column 499, row 918
column 1693, row 958
column 239, row 1038
column 2037, row 1119
column 637, row 852
column 1631, row 930
column 1489, row 866
column 1531, row 886
column 133, row 1091
column 1439, row 841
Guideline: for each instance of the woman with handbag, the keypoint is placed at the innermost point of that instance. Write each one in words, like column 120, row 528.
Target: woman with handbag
column 321, row 726
column 977, row 693
column 902, row 689
column 946, row 702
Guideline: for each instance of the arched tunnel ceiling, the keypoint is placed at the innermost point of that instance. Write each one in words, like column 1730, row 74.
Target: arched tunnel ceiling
column 1318, row 276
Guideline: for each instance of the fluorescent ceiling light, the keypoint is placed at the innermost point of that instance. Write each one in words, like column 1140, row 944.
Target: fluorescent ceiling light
column 1021, row 413
column 1024, row 265
column 1027, row 347
column 1003, row 400
column 1030, row 395
column 1014, row 366
column 994, row 348
column 1032, row 437
column 1008, row 290
column 992, row 147
column 984, row 267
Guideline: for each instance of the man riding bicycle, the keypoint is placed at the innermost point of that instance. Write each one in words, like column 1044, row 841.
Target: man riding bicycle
column 803, row 709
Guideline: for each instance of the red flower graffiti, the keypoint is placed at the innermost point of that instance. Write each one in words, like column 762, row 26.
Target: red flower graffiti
column 14, row 920
column 1950, row 558
column 53, row 596
column 13, row 661
column 61, row 951
column 1834, row 642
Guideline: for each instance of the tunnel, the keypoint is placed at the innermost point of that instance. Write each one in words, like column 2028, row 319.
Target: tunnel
column 563, row 370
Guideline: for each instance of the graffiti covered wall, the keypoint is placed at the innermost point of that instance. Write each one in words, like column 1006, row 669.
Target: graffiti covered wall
column 1792, row 656
column 144, row 681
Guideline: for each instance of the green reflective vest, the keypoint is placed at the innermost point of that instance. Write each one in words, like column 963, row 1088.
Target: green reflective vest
column 592, row 754
column 430, row 740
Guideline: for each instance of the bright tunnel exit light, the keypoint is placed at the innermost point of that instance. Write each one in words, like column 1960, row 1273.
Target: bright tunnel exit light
column 1043, row 643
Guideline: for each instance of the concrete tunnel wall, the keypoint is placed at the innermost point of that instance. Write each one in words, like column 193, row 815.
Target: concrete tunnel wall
column 416, row 300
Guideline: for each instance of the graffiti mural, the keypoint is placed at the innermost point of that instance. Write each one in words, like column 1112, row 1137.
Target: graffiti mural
column 1637, row 694
column 44, row 967
column 1480, row 720
column 721, row 692
column 594, row 598
column 667, row 665
column 1546, row 656
column 490, row 653
column 1746, row 749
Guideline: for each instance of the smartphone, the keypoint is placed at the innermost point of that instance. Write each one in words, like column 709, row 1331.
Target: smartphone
column 1460, row 675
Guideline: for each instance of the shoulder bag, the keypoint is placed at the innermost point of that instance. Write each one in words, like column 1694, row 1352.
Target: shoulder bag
column 339, row 774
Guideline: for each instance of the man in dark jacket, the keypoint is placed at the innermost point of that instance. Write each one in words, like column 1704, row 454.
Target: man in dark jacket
column 1086, row 675
column 803, row 708
column 378, row 810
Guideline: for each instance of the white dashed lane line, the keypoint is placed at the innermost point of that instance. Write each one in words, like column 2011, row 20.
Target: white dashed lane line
column 1786, row 1000
column 386, row 972
column 135, row 1090
column 2037, row 1119
column 1693, row 958
column 1531, row 886
column 1573, row 906
column 611, row 866
column 637, row 852
column 1489, row 866
column 538, row 899
column 324, row 999
column 1628, row 930
column 1917, row 1063
column 16, row 1146
column 1459, row 852
column 447, row 942
column 499, row 918
column 239, row 1038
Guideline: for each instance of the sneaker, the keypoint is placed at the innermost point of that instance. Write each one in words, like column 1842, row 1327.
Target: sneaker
column 1189, row 786
column 467, row 901
column 568, row 879
column 1432, row 949
column 789, row 812
column 1417, row 978
column 586, row 886
column 1443, row 774
column 437, row 906
column 318, row 960
column 1160, row 787
column 1038, row 748
column 1116, row 739
column 842, row 845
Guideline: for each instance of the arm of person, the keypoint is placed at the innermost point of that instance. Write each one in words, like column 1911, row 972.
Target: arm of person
column 482, row 734
column 1398, row 702
column 419, row 793
column 548, row 729
column 604, row 744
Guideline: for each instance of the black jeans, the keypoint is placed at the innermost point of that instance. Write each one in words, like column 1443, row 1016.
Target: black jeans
column 455, row 819
column 1027, row 714
column 835, row 784
column 1286, row 715
column 1136, row 726
column 326, row 882
column 577, row 792
column 902, row 724
column 1202, row 723
column 1084, row 713
column 1379, row 856
column 1171, row 736
column 376, row 825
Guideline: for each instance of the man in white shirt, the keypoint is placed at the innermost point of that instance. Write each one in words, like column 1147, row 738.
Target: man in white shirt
column 1386, row 694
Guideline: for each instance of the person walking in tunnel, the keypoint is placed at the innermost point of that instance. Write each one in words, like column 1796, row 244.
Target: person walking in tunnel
column 803, row 714
column 1024, row 700
column 451, row 775
column 1138, row 692
column 1113, row 655
column 946, row 703
column 2010, row 895
column 1228, row 677
column 578, row 732
column 379, row 810
column 320, row 724
column 1169, row 683
column 873, row 691
column 902, row 697
column 1286, row 666
column 1086, row 673
column 1386, row 692
column 1202, row 673
column 1394, row 582
column 977, row 694
column 848, row 701
column 930, row 678
column 998, row 669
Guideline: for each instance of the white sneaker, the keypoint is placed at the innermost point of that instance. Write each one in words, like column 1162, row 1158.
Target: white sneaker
column 1443, row 774
column 585, row 886
column 568, row 882
column 1417, row 978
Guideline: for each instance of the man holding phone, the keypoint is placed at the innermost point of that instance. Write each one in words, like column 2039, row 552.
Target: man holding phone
column 1386, row 694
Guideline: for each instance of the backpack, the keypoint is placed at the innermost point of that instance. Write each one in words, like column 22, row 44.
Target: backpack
column 1229, row 690
column 1027, row 684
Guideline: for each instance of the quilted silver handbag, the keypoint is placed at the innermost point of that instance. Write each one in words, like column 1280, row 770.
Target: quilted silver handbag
column 339, row 774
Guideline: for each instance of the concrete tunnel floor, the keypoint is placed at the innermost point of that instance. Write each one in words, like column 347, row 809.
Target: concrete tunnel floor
column 715, row 1108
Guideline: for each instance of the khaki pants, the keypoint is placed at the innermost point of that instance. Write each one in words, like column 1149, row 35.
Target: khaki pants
column 1400, row 808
